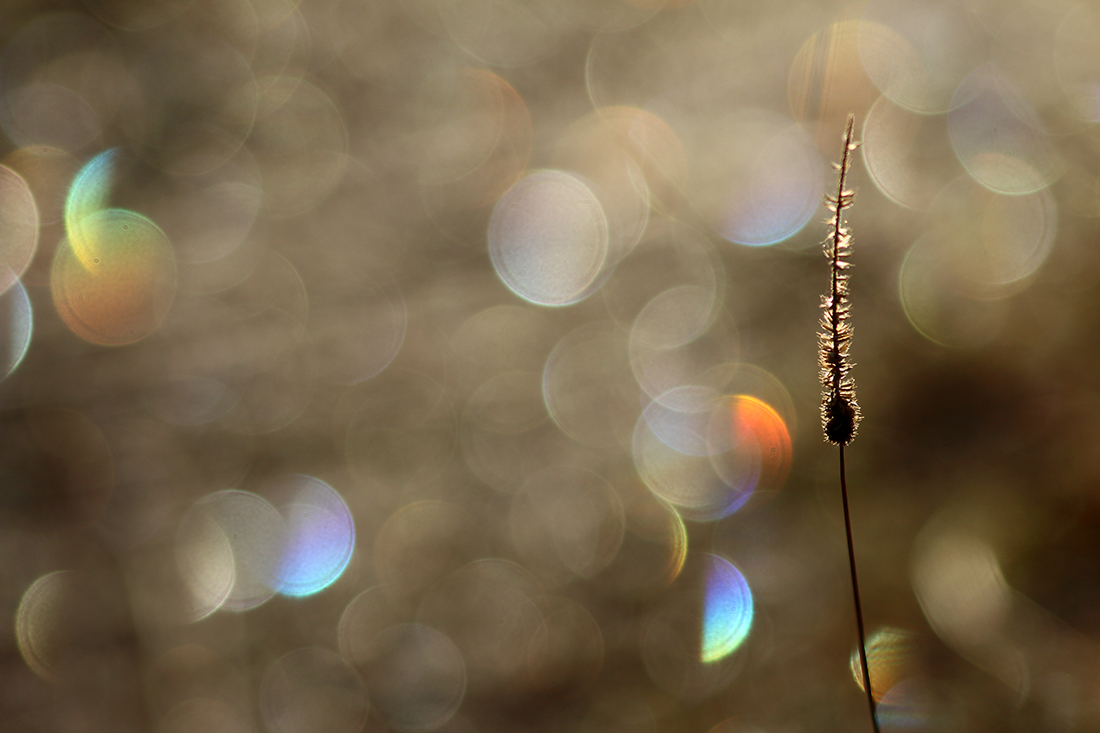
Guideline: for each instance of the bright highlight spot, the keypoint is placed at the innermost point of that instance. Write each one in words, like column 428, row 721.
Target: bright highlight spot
column 548, row 239
column 727, row 610
column 114, row 278
column 707, row 454
column 114, row 283
column 757, row 428
column 89, row 194
column 890, row 659
column 319, row 540
column 16, row 325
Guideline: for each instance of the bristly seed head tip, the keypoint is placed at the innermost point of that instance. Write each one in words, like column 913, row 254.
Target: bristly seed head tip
column 840, row 414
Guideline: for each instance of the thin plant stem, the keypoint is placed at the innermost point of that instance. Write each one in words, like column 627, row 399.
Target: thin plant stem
column 855, row 596
column 840, row 414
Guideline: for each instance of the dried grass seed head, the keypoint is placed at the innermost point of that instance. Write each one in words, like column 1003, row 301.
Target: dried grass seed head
column 840, row 413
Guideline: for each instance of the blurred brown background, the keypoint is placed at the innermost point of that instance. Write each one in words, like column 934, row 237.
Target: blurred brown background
column 450, row 365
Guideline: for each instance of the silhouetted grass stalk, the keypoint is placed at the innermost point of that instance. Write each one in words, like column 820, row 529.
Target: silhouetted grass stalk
column 839, row 410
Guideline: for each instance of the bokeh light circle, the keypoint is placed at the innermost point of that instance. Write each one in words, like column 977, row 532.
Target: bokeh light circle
column 680, row 336
column 16, row 327
column 1077, row 60
column 499, row 33
column 47, row 172
column 827, row 80
column 671, row 256
column 706, row 454
column 548, row 239
column 997, row 137
column 40, row 610
column 566, row 652
column 474, row 138
column 761, row 180
column 204, row 559
column 115, row 284
column 416, row 677
column 88, row 194
column 506, row 434
column 891, row 658
column 687, row 482
column 689, row 641
column 916, row 53
column 67, row 622
column 746, row 430
column 312, row 689
column 62, row 76
column 401, row 434
column 255, row 535
column 939, row 302
column 200, row 714
column 566, row 521
column 488, row 609
column 727, row 608
column 597, row 148
column 210, row 216
column 191, row 71
column 423, row 542
column 674, row 460
column 588, row 386
column 982, row 248
column 320, row 535
column 299, row 142
column 352, row 350
column 680, row 418
column 907, row 154
column 18, row 226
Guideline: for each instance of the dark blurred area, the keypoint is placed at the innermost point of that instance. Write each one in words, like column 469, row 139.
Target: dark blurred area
column 450, row 365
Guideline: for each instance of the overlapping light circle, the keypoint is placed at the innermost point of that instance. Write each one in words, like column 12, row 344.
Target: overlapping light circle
column 114, row 278
column 998, row 137
column 727, row 610
column 62, row 75
column 566, row 521
column 236, row 549
column 474, row 138
column 907, row 154
column 416, row 677
column 115, row 285
column 312, row 689
column 916, row 53
column 706, row 453
column 981, row 248
column 689, row 640
column 763, row 179
column 228, row 551
column 19, row 234
column 41, row 609
column 320, row 535
column 891, row 659
column 16, row 327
